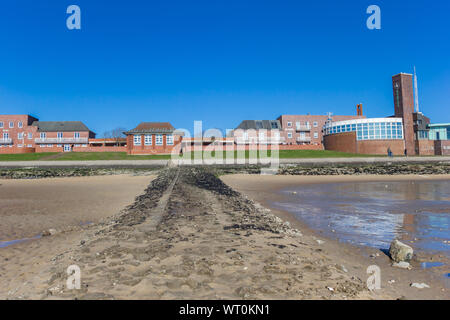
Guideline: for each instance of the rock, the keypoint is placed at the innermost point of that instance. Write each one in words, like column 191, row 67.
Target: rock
column 341, row 267
column 400, row 252
column 419, row 285
column 49, row 232
column 320, row 241
column 402, row 265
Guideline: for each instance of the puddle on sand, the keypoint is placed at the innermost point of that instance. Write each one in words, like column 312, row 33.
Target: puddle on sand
column 4, row 244
column 428, row 265
column 374, row 213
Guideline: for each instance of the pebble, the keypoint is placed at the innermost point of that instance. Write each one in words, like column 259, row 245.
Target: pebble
column 419, row 285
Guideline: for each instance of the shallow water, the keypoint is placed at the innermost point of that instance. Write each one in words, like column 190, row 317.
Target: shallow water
column 374, row 213
column 4, row 244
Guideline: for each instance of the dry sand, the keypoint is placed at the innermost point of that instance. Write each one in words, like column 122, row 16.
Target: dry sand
column 265, row 189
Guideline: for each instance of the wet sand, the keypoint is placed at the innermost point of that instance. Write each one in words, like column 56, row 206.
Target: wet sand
column 28, row 207
column 266, row 189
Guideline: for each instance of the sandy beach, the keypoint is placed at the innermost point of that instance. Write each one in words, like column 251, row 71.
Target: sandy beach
column 32, row 206
column 190, row 236
column 266, row 189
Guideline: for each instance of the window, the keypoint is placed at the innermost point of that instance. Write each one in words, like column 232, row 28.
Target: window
column 20, row 146
column 137, row 140
column 5, row 135
column 169, row 139
column 20, row 135
column 50, row 145
column 262, row 136
column 274, row 125
column 59, row 145
column 316, row 135
column 289, row 135
column 289, row 124
column 30, row 146
column 259, row 125
column 148, row 140
column 30, row 136
column 159, row 139
column 20, row 124
column 60, row 135
column 43, row 135
column 11, row 124
column 76, row 135
column 1, row 124
column 315, row 124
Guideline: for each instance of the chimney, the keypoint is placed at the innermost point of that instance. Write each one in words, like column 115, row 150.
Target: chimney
column 359, row 110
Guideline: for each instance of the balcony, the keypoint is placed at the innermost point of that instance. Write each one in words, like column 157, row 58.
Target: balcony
column 303, row 139
column 6, row 141
column 303, row 128
column 61, row 140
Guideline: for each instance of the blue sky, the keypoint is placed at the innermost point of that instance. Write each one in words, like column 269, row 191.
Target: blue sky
column 218, row 61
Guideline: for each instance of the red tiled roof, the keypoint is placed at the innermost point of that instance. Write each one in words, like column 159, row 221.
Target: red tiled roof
column 153, row 127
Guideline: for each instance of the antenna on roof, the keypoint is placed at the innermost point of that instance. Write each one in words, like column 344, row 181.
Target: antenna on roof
column 416, row 92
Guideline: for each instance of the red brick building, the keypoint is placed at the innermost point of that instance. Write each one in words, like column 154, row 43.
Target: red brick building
column 152, row 138
column 26, row 134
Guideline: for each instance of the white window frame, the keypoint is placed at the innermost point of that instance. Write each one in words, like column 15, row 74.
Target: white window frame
column 169, row 139
column 11, row 124
column 316, row 135
column 1, row 124
column 5, row 135
column 30, row 136
column 43, row 135
column 76, row 135
column 137, row 140
column 20, row 135
column 148, row 139
column 315, row 124
column 159, row 140
column 289, row 135
column 289, row 124
column 60, row 135
column 20, row 124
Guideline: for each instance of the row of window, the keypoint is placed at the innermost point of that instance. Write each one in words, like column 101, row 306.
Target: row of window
column 307, row 124
column 370, row 131
column 148, row 139
column 11, row 124
column 43, row 135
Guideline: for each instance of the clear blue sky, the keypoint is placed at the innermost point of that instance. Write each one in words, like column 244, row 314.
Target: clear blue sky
column 218, row 61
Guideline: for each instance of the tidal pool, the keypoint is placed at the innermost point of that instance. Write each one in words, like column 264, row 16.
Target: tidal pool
column 374, row 213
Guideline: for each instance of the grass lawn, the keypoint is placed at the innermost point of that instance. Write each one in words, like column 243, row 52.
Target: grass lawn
column 89, row 156
column 25, row 156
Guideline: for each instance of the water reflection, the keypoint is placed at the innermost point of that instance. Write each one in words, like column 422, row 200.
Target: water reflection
column 374, row 213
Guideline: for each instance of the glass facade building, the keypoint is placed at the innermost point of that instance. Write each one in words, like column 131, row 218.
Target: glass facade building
column 439, row 131
column 369, row 129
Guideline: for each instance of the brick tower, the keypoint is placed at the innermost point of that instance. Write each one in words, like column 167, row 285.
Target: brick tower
column 404, row 107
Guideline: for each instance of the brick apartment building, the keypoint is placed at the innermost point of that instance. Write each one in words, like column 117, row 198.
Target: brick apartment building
column 302, row 132
column 26, row 134
column 152, row 138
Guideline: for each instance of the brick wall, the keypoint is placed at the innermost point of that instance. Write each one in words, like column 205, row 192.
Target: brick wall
column 442, row 147
column 343, row 142
column 425, row 147
column 346, row 142
column 150, row 149
column 15, row 150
